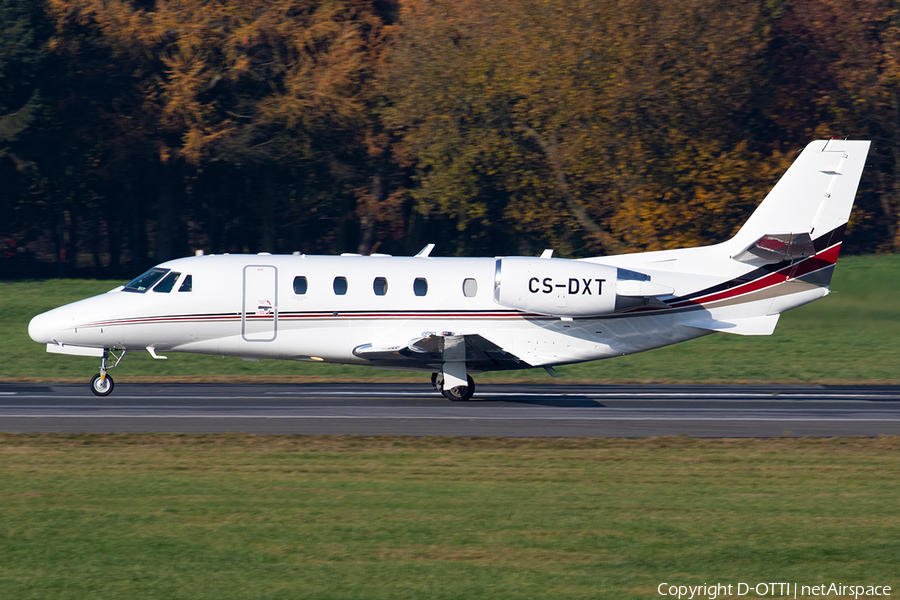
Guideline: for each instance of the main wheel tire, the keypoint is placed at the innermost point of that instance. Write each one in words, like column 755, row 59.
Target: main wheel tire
column 461, row 393
column 102, row 388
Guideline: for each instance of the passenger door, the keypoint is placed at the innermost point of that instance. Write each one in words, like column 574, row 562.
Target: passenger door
column 259, row 319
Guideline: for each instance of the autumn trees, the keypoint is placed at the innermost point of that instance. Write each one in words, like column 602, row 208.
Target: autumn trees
column 133, row 131
column 590, row 126
column 255, row 114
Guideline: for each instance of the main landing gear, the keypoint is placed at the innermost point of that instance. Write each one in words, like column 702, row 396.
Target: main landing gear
column 460, row 393
column 102, row 384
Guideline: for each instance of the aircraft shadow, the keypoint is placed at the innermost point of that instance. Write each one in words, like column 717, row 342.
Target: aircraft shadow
column 532, row 401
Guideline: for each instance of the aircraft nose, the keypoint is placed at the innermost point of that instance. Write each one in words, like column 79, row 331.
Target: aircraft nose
column 39, row 329
column 46, row 327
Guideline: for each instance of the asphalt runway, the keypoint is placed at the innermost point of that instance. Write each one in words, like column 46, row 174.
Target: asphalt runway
column 502, row 410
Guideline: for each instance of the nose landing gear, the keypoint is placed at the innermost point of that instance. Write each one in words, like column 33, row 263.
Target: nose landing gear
column 102, row 384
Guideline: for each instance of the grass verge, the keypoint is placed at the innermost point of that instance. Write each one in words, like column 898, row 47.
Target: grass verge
column 849, row 337
column 238, row 516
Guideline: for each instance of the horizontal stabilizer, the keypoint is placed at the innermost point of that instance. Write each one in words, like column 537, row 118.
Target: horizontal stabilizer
column 764, row 325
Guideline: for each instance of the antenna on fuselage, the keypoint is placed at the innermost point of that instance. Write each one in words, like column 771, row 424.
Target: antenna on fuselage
column 424, row 252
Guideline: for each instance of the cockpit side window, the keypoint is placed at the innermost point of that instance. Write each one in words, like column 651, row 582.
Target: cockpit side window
column 145, row 281
column 165, row 286
column 188, row 284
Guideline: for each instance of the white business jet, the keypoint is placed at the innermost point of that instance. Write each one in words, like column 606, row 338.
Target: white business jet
column 457, row 316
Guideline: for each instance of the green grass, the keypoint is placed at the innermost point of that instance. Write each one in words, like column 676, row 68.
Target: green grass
column 236, row 516
column 850, row 336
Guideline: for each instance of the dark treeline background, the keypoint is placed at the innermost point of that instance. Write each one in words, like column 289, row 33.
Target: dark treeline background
column 136, row 131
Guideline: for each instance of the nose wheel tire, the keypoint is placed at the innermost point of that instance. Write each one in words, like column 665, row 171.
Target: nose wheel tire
column 102, row 388
column 460, row 393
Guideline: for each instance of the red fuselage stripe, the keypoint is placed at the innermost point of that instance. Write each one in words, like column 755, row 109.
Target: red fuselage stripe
column 821, row 260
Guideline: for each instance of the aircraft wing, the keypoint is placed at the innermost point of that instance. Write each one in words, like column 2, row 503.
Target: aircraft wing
column 431, row 350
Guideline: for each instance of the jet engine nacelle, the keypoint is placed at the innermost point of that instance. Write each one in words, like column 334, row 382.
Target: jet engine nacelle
column 555, row 286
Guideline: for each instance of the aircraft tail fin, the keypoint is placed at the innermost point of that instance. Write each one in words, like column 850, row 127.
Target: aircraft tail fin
column 807, row 211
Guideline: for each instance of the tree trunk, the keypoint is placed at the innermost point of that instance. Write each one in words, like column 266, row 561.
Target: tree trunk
column 165, row 213
column 368, row 222
column 551, row 151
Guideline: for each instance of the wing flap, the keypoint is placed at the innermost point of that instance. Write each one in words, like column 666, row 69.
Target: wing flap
column 431, row 350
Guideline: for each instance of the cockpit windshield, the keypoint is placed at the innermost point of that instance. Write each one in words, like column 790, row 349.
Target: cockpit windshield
column 165, row 286
column 144, row 282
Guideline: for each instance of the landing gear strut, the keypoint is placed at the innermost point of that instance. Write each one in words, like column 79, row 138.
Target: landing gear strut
column 102, row 384
column 458, row 394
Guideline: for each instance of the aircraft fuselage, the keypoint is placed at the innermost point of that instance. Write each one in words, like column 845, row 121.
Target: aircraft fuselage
column 456, row 316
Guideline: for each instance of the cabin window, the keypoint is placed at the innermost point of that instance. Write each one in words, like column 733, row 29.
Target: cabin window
column 165, row 286
column 380, row 286
column 470, row 288
column 420, row 286
column 300, row 285
column 340, row 286
column 188, row 284
column 145, row 281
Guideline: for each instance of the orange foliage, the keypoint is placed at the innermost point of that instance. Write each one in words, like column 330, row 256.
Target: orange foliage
column 209, row 69
column 592, row 123
column 589, row 126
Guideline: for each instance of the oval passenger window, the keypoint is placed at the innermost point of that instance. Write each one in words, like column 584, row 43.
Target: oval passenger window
column 340, row 286
column 300, row 285
column 470, row 288
column 380, row 286
column 420, row 286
